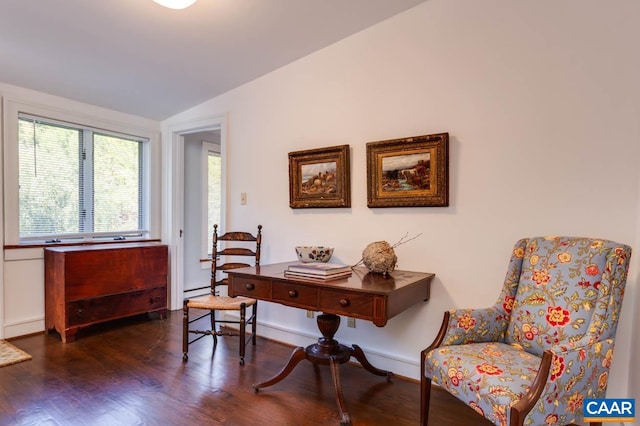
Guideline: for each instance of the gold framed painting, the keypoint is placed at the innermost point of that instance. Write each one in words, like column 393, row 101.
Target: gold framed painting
column 320, row 178
column 409, row 172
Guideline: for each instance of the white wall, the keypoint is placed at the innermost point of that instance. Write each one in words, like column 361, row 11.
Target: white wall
column 541, row 101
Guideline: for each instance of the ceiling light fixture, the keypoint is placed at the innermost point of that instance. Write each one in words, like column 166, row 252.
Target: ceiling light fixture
column 175, row 4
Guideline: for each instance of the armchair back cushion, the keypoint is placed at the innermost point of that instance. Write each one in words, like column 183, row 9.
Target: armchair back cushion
column 546, row 344
column 568, row 288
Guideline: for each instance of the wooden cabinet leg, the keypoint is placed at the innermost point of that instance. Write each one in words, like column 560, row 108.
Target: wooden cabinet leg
column 68, row 335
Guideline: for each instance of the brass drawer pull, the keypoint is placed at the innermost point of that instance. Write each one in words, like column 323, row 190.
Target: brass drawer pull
column 293, row 293
column 344, row 302
column 250, row 286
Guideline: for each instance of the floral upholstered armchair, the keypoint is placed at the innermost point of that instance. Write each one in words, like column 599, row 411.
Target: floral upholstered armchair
column 547, row 343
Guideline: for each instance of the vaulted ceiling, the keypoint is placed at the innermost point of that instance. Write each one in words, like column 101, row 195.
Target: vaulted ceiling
column 138, row 57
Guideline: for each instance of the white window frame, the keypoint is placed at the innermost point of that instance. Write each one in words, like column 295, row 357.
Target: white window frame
column 11, row 110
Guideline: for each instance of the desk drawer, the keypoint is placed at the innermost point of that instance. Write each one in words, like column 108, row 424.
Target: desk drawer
column 255, row 288
column 344, row 303
column 295, row 295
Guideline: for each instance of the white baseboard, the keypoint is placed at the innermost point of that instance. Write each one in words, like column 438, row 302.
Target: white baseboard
column 400, row 366
column 23, row 328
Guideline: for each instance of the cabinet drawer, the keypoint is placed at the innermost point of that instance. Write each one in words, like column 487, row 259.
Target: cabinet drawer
column 295, row 295
column 343, row 303
column 102, row 308
column 259, row 289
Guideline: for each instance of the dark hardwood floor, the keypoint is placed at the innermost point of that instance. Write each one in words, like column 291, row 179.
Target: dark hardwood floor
column 130, row 372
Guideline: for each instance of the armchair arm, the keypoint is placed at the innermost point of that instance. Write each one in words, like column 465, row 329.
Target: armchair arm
column 565, row 378
column 462, row 326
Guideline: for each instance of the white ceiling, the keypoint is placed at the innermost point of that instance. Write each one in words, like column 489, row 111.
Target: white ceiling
column 138, row 57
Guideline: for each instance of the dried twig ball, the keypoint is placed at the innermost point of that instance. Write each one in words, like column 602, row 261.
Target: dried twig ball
column 379, row 257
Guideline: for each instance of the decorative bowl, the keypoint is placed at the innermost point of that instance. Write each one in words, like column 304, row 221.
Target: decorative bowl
column 308, row 254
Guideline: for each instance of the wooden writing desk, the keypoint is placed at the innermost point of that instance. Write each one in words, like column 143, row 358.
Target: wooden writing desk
column 364, row 295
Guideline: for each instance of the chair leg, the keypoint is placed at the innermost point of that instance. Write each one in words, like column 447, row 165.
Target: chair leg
column 185, row 331
column 425, row 396
column 254, row 324
column 214, row 332
column 243, row 328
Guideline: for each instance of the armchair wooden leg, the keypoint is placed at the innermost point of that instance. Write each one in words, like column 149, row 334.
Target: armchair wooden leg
column 425, row 386
column 243, row 328
column 185, row 331
column 425, row 396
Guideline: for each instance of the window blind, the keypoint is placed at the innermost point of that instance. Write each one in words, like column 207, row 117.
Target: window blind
column 79, row 182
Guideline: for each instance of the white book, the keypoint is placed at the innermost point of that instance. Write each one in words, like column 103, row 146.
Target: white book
column 316, row 277
column 319, row 269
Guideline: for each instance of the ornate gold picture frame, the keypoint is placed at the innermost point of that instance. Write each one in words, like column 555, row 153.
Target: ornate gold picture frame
column 409, row 172
column 320, row 178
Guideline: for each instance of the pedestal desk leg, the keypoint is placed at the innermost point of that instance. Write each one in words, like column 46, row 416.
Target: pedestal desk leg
column 298, row 355
column 345, row 419
column 358, row 354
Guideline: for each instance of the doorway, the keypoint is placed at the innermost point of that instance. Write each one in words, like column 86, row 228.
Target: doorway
column 203, row 205
column 186, row 222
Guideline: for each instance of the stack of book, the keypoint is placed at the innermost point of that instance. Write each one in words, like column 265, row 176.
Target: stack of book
column 318, row 271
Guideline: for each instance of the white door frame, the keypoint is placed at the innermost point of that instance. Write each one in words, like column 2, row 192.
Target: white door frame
column 173, row 205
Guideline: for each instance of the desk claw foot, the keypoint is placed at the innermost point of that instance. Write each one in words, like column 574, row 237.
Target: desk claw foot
column 346, row 420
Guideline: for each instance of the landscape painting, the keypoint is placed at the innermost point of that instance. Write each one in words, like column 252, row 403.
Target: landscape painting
column 406, row 172
column 320, row 178
column 409, row 172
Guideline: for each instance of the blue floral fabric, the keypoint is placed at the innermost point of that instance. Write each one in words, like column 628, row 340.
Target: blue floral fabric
column 561, row 294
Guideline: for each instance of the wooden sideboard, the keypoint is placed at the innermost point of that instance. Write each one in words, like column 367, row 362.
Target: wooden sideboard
column 90, row 284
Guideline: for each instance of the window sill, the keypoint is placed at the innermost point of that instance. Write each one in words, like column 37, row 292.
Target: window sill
column 76, row 243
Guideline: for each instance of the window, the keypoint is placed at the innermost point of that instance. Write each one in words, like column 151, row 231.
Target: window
column 78, row 182
column 213, row 187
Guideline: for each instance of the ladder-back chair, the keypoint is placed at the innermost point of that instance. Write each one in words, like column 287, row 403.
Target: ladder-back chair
column 236, row 244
